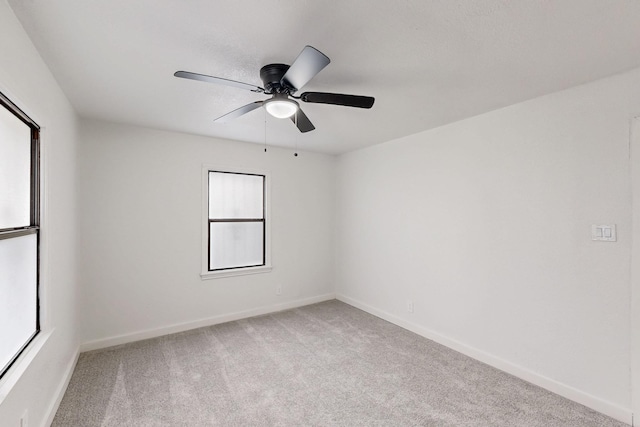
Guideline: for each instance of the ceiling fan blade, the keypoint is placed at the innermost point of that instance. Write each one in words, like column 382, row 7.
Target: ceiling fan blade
column 338, row 99
column 239, row 112
column 302, row 121
column 217, row 80
column 309, row 63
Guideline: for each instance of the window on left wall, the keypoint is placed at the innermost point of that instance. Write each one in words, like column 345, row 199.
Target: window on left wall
column 19, row 232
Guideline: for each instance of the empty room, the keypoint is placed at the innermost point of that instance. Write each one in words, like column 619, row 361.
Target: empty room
column 298, row 213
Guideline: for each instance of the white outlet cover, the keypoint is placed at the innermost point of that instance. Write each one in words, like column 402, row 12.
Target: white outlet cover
column 410, row 306
column 604, row 232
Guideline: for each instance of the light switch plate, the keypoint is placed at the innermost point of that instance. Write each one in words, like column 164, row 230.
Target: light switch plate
column 604, row 232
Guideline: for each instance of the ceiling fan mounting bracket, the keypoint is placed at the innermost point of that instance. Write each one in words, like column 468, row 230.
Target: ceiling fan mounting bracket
column 271, row 76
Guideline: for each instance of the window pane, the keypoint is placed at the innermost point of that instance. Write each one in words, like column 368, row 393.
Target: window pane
column 18, row 305
column 15, row 171
column 233, row 195
column 236, row 244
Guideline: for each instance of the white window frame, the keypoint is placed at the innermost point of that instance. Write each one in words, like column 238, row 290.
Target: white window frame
column 21, row 365
column 205, row 274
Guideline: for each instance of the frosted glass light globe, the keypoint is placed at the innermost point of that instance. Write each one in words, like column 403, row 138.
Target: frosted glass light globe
column 281, row 108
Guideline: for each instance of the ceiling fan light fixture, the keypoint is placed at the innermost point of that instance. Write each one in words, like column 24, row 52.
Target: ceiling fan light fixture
column 281, row 107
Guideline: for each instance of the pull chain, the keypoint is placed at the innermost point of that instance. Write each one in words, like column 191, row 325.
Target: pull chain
column 265, row 130
column 295, row 141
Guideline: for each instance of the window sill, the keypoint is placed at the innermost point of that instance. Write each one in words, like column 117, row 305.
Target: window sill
column 235, row 272
column 22, row 364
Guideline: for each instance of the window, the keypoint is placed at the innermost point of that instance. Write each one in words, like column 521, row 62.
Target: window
column 236, row 223
column 19, row 232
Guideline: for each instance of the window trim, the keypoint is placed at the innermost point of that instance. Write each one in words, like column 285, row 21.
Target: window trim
column 34, row 221
column 205, row 273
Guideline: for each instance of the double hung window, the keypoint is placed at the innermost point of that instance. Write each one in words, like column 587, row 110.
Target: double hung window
column 19, row 232
column 236, row 222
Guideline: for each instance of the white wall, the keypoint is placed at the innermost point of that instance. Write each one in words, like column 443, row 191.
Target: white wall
column 141, row 201
column 485, row 225
column 635, row 268
column 24, row 78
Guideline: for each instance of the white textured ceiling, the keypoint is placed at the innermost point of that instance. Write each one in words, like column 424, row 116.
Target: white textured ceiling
column 427, row 63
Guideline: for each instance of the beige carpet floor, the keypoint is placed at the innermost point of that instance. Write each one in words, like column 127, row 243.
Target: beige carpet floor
column 327, row 364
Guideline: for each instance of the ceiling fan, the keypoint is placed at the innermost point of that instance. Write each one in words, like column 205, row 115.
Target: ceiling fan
column 282, row 81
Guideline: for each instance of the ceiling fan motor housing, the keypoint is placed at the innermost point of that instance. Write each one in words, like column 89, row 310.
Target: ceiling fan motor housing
column 271, row 75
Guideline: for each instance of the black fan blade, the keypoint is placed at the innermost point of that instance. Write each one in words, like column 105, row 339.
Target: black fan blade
column 217, row 80
column 239, row 112
column 302, row 121
column 338, row 99
column 309, row 63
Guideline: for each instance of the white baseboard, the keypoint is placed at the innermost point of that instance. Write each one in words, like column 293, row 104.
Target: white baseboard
column 588, row 400
column 181, row 327
column 62, row 388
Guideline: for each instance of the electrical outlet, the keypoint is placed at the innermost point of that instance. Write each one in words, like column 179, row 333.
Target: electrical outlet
column 410, row 306
column 279, row 290
column 24, row 419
